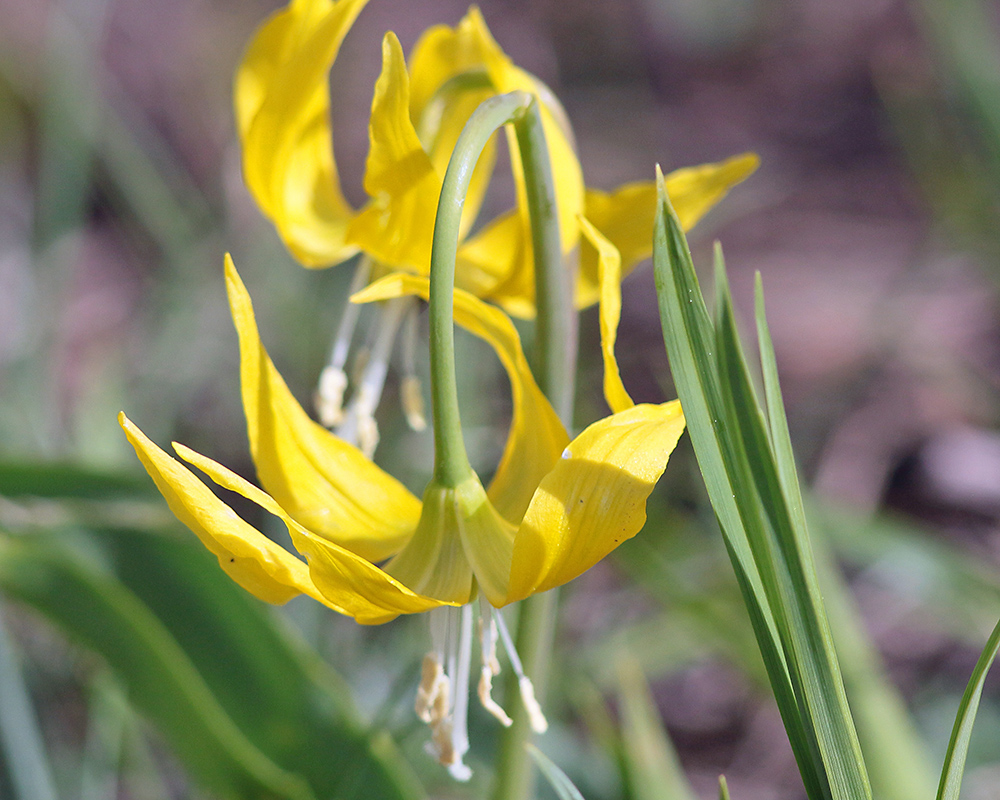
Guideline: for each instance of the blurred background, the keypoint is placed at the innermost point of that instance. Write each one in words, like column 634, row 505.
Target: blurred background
column 874, row 221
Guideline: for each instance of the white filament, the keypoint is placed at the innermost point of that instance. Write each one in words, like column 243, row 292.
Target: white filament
column 333, row 379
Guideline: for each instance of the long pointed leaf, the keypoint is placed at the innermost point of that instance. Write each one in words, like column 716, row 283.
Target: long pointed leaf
column 958, row 746
column 689, row 336
column 162, row 681
column 759, row 512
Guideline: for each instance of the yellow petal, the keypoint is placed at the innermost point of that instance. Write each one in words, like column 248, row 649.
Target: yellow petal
column 498, row 264
column 488, row 541
column 448, row 81
column 536, row 436
column 491, row 263
column 326, row 484
column 625, row 216
column 283, row 117
column 594, row 498
column 566, row 171
column 397, row 225
column 609, row 270
column 342, row 580
column 251, row 559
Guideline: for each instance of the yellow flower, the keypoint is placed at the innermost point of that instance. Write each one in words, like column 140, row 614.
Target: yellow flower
column 553, row 509
column 373, row 551
column 283, row 118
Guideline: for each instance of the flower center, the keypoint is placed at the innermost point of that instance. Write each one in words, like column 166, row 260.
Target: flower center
column 443, row 695
column 356, row 423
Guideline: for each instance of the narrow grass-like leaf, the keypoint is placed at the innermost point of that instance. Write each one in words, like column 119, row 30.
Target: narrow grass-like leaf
column 560, row 783
column 723, row 788
column 67, row 480
column 795, row 599
column 759, row 510
column 958, row 746
column 690, row 338
column 267, row 694
column 103, row 615
column 653, row 771
column 21, row 746
column 280, row 693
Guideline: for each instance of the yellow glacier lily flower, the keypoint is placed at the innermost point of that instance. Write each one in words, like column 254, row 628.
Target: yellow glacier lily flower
column 345, row 514
column 367, row 548
column 283, row 118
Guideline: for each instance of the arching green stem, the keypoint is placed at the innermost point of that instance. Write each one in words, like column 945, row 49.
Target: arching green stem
column 451, row 463
column 554, row 369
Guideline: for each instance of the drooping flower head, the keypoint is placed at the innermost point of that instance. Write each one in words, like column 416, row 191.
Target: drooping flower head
column 418, row 111
column 363, row 544
column 371, row 549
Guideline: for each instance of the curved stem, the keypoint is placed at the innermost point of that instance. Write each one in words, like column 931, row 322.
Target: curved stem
column 555, row 321
column 451, row 464
column 554, row 369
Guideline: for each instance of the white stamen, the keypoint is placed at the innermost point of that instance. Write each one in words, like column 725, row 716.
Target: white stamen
column 329, row 398
column 368, row 435
column 333, row 379
column 361, row 357
column 433, row 684
column 460, row 711
column 413, row 403
column 538, row 722
column 359, row 423
column 486, row 700
column 443, row 695
column 491, row 666
column 535, row 716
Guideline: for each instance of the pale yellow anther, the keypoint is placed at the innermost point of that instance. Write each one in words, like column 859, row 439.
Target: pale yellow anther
column 538, row 722
column 487, row 701
column 330, row 396
column 433, row 687
column 413, row 403
column 367, row 434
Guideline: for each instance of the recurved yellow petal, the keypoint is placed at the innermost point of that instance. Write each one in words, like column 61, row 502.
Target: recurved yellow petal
column 497, row 264
column 610, row 273
column 566, row 171
column 536, row 437
column 397, row 224
column 251, row 559
column 448, row 81
column 283, row 117
column 342, row 580
column 324, row 483
column 625, row 216
column 594, row 498
column 491, row 265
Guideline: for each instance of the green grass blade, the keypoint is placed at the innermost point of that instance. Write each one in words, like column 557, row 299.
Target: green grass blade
column 279, row 693
column 652, row 768
column 958, row 746
column 899, row 766
column 689, row 336
column 560, row 783
column 22, row 749
column 103, row 615
column 759, row 509
column 795, row 596
column 723, row 788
